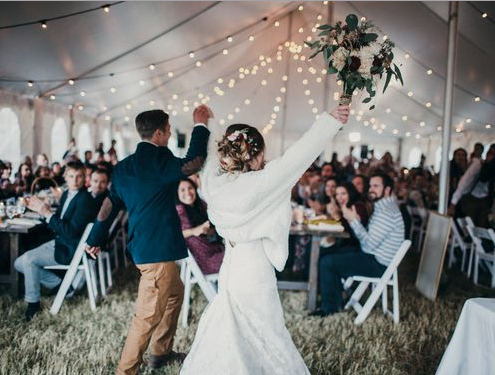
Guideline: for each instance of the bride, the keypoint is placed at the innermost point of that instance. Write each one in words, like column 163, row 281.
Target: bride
column 243, row 330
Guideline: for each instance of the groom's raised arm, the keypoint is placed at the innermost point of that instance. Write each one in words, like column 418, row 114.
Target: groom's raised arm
column 172, row 168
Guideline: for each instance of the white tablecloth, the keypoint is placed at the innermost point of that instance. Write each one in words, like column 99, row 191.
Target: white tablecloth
column 472, row 348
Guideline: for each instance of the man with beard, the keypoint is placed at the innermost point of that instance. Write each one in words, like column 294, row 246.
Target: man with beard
column 377, row 245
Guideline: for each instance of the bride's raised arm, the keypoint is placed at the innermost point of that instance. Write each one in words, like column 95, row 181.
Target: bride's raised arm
column 284, row 172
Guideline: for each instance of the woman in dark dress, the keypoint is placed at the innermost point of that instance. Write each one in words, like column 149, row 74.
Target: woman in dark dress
column 201, row 238
column 346, row 195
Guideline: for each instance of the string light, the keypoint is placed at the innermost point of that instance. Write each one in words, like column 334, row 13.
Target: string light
column 141, row 83
column 230, row 39
column 488, row 126
column 225, row 51
column 191, row 55
column 128, row 106
column 198, row 63
column 107, row 117
column 30, row 83
column 71, row 82
column 152, row 102
column 477, row 99
column 43, row 25
column 408, row 134
column 52, row 97
column 429, row 71
column 83, row 94
column 106, row 9
column 404, row 118
column 388, row 110
column 251, row 38
column 276, row 24
column 80, row 107
column 484, row 15
column 407, row 55
column 395, row 131
column 113, row 90
column 422, row 124
column 410, row 93
column 152, row 66
column 468, row 120
column 127, row 118
column 428, row 104
column 300, row 7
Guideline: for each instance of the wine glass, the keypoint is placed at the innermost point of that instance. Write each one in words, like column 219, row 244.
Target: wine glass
column 21, row 206
column 11, row 211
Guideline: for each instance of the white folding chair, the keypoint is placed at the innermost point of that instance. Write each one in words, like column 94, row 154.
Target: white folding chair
column 480, row 255
column 419, row 218
column 103, row 260
column 463, row 223
column 389, row 278
column 79, row 262
column 191, row 274
column 458, row 240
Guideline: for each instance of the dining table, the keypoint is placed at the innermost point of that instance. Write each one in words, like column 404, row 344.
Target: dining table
column 13, row 230
column 317, row 234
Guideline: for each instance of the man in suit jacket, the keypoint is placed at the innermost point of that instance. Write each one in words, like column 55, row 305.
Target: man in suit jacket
column 77, row 209
column 145, row 183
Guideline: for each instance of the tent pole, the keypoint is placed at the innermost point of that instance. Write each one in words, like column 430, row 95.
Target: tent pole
column 286, row 94
column 447, row 107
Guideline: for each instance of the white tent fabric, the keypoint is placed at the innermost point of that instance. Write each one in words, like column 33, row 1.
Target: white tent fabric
column 69, row 47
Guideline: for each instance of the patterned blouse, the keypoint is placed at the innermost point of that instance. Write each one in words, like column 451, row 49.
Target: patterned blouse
column 208, row 255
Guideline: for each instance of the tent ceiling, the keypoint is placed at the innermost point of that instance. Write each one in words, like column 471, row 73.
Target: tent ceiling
column 72, row 46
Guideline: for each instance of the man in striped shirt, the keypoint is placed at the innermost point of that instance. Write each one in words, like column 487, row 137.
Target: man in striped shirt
column 378, row 245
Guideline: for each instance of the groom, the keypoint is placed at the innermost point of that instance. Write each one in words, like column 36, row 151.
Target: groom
column 145, row 184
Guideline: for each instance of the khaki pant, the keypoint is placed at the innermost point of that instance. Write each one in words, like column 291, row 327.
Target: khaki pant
column 158, row 306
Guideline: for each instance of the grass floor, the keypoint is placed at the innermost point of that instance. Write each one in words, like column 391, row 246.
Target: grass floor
column 77, row 341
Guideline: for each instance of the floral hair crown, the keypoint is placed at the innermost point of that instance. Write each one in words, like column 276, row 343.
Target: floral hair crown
column 242, row 135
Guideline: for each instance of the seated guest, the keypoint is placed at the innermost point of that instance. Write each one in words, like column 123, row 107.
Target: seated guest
column 360, row 182
column 42, row 160
column 88, row 157
column 346, row 196
column 90, row 168
column 201, row 239
column 24, row 179
column 99, row 185
column 377, row 245
column 7, row 188
column 57, row 173
column 76, row 210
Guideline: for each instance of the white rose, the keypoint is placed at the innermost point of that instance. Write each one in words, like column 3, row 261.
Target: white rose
column 365, row 67
column 340, row 58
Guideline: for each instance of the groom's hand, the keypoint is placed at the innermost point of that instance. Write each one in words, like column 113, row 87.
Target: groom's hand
column 92, row 251
column 201, row 115
column 341, row 113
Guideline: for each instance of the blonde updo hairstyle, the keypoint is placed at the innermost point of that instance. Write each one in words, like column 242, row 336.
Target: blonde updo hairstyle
column 240, row 145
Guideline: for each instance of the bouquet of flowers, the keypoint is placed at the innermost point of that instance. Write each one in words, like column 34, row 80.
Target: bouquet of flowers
column 351, row 51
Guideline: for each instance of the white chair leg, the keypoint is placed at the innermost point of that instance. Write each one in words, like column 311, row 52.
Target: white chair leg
column 109, row 270
column 451, row 252
column 493, row 273
column 89, row 283
column 396, row 297
column 356, row 296
column 101, row 275
column 385, row 300
column 187, row 298
column 62, row 291
column 470, row 263
column 463, row 264
column 372, row 299
column 93, row 280
column 476, row 266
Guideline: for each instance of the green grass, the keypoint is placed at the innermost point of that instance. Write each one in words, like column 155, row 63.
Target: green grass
column 77, row 341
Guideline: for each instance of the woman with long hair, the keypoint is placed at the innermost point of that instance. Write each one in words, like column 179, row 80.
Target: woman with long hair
column 201, row 238
column 243, row 329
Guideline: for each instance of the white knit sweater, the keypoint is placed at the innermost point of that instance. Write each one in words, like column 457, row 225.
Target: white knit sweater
column 252, row 206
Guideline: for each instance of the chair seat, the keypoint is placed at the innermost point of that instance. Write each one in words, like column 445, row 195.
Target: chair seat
column 370, row 279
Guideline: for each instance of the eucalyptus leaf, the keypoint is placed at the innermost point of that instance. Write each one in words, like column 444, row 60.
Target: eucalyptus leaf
column 332, row 70
column 397, row 71
column 367, row 100
column 352, row 22
column 372, row 107
column 325, row 27
column 387, row 81
column 368, row 38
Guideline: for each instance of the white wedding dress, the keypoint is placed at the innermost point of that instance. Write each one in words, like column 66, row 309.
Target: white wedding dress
column 242, row 331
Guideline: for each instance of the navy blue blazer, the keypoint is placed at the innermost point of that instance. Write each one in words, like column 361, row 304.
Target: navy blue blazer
column 82, row 210
column 145, row 183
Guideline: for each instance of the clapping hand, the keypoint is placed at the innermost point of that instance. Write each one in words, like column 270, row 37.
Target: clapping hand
column 341, row 113
column 37, row 205
column 57, row 193
column 350, row 214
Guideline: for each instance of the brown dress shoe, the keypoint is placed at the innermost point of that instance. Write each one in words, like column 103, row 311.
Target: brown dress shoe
column 157, row 361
